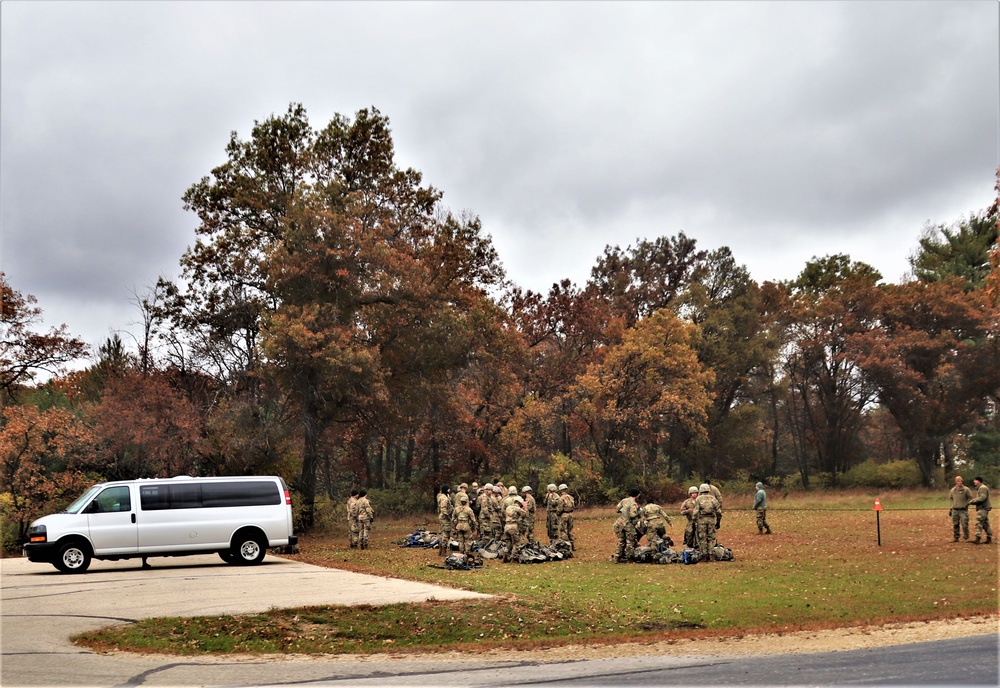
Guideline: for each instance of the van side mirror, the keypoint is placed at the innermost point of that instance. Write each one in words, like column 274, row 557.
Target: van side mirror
column 93, row 508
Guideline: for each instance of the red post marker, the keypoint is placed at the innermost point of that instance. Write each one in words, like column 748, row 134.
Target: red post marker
column 878, row 520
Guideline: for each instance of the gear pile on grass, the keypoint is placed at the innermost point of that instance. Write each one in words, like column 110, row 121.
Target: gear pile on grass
column 662, row 553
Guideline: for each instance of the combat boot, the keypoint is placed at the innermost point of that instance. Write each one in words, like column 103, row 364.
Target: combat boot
column 956, row 538
column 768, row 531
column 760, row 531
column 975, row 541
column 989, row 539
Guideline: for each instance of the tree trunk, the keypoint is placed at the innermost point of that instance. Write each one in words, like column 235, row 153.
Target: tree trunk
column 311, row 431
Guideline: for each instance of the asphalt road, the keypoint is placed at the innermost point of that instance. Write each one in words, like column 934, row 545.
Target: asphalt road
column 41, row 609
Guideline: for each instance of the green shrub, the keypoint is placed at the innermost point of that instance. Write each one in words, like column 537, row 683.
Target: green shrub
column 895, row 474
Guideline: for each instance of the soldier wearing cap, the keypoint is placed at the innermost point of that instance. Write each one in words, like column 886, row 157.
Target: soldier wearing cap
column 960, row 496
column 366, row 514
column 496, row 512
column 687, row 510
column 552, row 512
column 625, row 526
column 566, row 507
column 760, row 506
column 513, row 519
column 464, row 523
column 445, row 511
column 706, row 515
column 529, row 507
column 983, row 507
column 352, row 519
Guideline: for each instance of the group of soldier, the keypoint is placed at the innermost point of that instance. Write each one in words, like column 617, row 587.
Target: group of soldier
column 496, row 512
column 961, row 499
column 702, row 509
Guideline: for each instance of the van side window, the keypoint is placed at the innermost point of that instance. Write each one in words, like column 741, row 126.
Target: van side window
column 112, row 499
column 257, row 493
column 153, row 497
column 185, row 496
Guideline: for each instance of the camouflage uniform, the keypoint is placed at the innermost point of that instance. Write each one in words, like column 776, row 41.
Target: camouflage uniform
column 628, row 517
column 959, row 498
column 714, row 491
column 552, row 513
column 464, row 523
column 529, row 508
column 983, row 506
column 566, row 507
column 706, row 515
column 655, row 522
column 688, row 511
column 760, row 506
column 445, row 510
column 482, row 509
column 352, row 520
column 496, row 513
column 365, row 517
column 513, row 517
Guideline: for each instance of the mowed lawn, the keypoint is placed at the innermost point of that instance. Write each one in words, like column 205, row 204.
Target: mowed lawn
column 821, row 568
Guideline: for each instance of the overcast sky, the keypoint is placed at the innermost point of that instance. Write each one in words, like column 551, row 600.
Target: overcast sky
column 783, row 130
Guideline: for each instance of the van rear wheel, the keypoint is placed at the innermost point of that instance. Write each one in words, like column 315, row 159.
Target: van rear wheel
column 73, row 557
column 248, row 549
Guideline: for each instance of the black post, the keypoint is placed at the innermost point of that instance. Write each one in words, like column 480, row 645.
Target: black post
column 878, row 526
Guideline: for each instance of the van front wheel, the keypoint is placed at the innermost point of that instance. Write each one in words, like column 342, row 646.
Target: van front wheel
column 73, row 557
column 248, row 549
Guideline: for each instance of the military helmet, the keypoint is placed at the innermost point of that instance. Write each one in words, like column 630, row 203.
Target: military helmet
column 512, row 490
column 488, row 486
column 551, row 487
column 465, row 485
column 518, row 499
column 526, row 488
column 692, row 490
column 496, row 488
column 562, row 487
column 704, row 488
column 463, row 498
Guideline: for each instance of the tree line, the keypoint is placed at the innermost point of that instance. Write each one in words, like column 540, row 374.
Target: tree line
column 336, row 324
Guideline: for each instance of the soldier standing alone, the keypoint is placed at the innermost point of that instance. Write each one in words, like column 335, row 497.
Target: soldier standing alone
column 760, row 506
column 365, row 517
column 959, row 497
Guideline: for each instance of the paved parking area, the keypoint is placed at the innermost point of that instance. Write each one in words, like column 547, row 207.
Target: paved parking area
column 42, row 608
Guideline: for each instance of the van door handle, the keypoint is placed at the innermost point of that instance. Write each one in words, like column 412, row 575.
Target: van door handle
column 133, row 517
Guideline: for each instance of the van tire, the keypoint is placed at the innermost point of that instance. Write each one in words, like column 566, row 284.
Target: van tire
column 227, row 556
column 73, row 557
column 249, row 547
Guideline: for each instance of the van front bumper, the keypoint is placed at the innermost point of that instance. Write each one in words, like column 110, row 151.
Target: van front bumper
column 44, row 552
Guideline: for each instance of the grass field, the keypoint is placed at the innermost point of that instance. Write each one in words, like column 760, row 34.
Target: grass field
column 822, row 568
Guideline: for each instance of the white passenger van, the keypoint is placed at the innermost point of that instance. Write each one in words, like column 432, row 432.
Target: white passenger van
column 238, row 517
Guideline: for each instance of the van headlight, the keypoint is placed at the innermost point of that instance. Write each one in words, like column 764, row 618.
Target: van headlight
column 37, row 534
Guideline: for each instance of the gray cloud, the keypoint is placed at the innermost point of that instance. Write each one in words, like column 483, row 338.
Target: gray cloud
column 783, row 130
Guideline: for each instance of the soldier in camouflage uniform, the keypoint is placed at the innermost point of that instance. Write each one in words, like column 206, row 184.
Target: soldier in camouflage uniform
column 365, row 517
column 654, row 522
column 513, row 519
column 464, row 523
column 718, row 497
column 496, row 513
column 983, row 507
column 552, row 512
column 529, row 507
column 688, row 511
column 445, row 511
column 625, row 526
column 511, row 496
column 706, row 515
column 959, row 497
column 760, row 506
column 566, row 507
column 482, row 509
column 352, row 519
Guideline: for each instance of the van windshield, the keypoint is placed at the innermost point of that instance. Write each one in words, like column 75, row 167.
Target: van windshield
column 75, row 507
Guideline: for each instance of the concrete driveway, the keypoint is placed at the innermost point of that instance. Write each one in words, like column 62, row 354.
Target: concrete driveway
column 42, row 608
